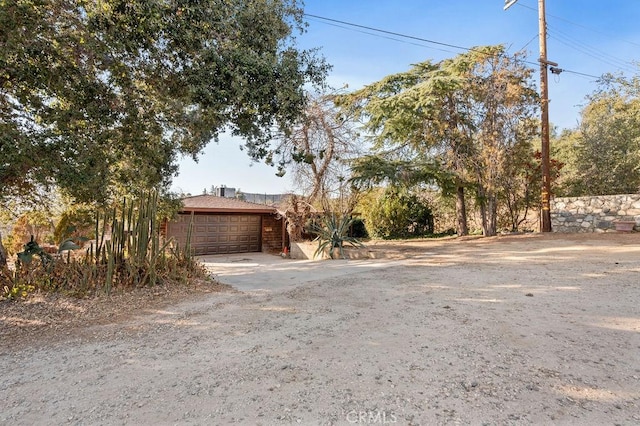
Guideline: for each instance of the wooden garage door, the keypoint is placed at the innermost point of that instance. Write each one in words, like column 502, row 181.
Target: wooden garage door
column 218, row 233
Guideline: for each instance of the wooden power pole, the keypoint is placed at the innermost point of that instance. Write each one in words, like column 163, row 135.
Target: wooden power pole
column 545, row 223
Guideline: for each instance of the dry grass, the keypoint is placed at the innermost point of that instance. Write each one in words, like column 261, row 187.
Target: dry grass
column 46, row 317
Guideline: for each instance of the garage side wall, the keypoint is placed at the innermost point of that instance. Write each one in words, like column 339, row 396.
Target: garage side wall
column 272, row 234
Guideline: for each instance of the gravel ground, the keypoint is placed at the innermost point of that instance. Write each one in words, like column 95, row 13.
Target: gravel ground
column 536, row 329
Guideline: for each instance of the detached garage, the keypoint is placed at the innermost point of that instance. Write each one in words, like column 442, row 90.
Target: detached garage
column 227, row 225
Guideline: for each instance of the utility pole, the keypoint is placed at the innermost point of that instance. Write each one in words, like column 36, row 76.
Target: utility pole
column 544, row 100
column 545, row 224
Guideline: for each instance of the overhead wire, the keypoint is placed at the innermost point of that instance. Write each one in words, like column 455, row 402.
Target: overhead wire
column 589, row 50
column 584, row 48
column 346, row 25
column 579, row 25
column 582, row 74
column 529, row 42
column 378, row 30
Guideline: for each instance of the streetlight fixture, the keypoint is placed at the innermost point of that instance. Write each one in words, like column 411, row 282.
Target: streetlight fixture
column 509, row 3
column 545, row 225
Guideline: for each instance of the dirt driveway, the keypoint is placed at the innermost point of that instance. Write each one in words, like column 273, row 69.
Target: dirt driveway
column 512, row 330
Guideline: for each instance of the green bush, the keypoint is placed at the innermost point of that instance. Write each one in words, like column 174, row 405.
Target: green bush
column 397, row 213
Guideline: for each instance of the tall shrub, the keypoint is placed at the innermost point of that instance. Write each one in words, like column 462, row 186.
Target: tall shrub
column 397, row 213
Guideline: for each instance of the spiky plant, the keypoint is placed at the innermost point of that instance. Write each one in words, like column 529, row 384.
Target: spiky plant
column 332, row 232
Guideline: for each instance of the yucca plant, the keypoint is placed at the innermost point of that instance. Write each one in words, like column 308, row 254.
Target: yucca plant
column 332, row 232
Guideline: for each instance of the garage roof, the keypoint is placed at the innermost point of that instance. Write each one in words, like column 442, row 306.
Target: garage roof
column 213, row 204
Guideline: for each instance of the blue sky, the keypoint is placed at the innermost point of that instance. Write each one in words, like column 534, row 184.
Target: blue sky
column 585, row 37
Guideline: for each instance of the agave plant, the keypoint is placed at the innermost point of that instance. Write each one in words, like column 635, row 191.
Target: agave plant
column 33, row 249
column 333, row 232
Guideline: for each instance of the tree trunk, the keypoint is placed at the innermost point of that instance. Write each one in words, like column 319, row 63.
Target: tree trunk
column 489, row 212
column 3, row 254
column 461, row 213
column 483, row 215
column 492, row 210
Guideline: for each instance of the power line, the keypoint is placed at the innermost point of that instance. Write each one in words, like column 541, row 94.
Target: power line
column 373, row 34
column 424, row 40
column 346, row 24
column 584, row 48
column 582, row 74
column 580, row 25
column 590, row 51
column 529, row 42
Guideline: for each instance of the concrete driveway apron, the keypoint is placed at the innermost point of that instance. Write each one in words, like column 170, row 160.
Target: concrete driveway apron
column 267, row 272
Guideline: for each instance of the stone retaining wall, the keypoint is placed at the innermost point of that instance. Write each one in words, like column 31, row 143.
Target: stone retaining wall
column 594, row 214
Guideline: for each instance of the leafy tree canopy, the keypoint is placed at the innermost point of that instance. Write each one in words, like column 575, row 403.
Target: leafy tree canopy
column 99, row 98
column 463, row 115
column 376, row 169
column 603, row 154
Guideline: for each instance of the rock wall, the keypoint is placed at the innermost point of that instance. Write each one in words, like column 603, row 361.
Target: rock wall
column 594, row 214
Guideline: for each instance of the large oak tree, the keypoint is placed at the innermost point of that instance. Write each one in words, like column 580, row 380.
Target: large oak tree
column 99, row 98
